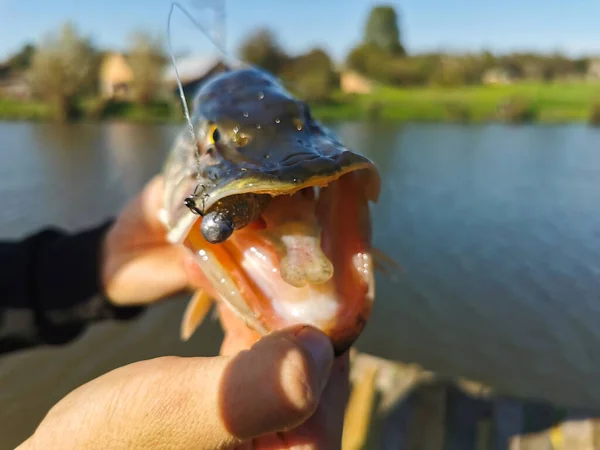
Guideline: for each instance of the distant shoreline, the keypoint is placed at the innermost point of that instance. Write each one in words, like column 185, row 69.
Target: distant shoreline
column 517, row 103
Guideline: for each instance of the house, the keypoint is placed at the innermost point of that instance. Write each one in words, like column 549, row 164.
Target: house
column 498, row 75
column 15, row 87
column 354, row 83
column 115, row 76
column 193, row 72
column 13, row 84
column 593, row 71
column 4, row 70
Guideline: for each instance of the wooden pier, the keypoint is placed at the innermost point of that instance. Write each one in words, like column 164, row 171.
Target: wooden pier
column 403, row 407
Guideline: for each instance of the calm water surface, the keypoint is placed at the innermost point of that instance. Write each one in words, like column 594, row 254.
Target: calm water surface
column 498, row 229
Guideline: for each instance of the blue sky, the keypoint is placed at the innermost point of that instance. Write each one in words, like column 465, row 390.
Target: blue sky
column 336, row 25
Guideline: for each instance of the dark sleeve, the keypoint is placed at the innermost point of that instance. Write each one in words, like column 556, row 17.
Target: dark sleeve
column 50, row 288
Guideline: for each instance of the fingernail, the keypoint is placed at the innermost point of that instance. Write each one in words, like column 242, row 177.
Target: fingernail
column 319, row 347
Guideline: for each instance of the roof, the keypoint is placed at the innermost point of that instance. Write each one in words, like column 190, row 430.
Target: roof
column 193, row 67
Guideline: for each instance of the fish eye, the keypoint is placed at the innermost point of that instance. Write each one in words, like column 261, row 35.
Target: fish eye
column 214, row 134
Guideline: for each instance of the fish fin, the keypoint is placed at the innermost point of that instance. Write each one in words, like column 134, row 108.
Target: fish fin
column 195, row 312
column 385, row 263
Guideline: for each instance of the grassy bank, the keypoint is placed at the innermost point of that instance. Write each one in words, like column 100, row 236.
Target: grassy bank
column 544, row 103
column 94, row 110
column 16, row 110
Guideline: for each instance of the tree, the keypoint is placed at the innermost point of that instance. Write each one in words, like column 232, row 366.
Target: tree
column 581, row 65
column 315, row 62
column 368, row 59
column 311, row 75
column 357, row 59
column 147, row 59
column 22, row 59
column 61, row 67
column 382, row 30
column 377, row 55
column 262, row 50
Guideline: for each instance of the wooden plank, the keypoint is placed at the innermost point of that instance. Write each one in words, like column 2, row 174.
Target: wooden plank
column 427, row 426
column 596, row 432
column 417, row 411
column 359, row 411
column 578, row 432
column 535, row 441
column 484, row 439
column 396, row 424
column 463, row 420
column 508, row 423
column 539, row 426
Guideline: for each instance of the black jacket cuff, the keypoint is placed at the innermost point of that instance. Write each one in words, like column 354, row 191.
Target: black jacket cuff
column 53, row 288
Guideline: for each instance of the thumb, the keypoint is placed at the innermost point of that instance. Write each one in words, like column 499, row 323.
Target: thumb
column 204, row 403
column 275, row 385
column 220, row 402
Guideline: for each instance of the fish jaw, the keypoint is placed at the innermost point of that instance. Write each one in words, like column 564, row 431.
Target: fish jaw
column 306, row 261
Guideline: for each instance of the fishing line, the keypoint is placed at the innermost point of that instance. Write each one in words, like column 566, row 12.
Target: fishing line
column 190, row 202
column 220, row 47
column 179, row 85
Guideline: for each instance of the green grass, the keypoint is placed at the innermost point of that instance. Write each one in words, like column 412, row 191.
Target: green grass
column 537, row 102
column 98, row 109
column 551, row 102
column 17, row 110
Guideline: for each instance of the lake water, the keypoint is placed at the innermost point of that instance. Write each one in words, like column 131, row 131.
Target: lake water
column 497, row 228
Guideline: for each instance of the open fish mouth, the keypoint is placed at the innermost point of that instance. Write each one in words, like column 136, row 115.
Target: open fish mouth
column 306, row 259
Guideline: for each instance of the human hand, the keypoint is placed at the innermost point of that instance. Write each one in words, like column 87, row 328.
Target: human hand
column 139, row 265
column 284, row 391
column 320, row 430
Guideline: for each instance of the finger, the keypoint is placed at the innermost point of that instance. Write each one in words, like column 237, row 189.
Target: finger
column 151, row 201
column 201, row 403
column 325, row 427
column 274, row 386
column 277, row 384
column 142, row 212
column 323, row 430
column 145, row 276
column 198, row 402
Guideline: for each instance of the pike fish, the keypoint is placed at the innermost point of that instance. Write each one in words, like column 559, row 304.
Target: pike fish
column 274, row 209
